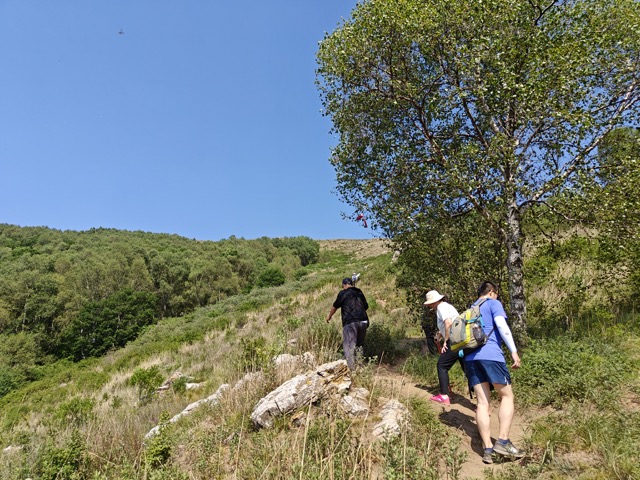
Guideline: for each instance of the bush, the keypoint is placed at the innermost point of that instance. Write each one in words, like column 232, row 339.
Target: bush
column 158, row 450
column 66, row 462
column 147, row 380
column 180, row 385
column 379, row 343
column 9, row 380
column 271, row 277
column 75, row 411
column 256, row 354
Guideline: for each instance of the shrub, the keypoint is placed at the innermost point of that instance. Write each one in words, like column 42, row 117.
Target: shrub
column 66, row 462
column 271, row 277
column 180, row 385
column 147, row 380
column 9, row 380
column 75, row 411
column 256, row 354
column 158, row 450
column 379, row 343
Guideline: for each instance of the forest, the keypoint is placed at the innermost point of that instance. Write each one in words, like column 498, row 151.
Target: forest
column 74, row 295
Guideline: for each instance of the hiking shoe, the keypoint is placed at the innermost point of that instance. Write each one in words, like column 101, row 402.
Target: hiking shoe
column 508, row 449
column 487, row 457
column 439, row 399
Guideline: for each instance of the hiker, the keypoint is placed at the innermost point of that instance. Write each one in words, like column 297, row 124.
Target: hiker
column 486, row 367
column 429, row 328
column 445, row 313
column 354, row 319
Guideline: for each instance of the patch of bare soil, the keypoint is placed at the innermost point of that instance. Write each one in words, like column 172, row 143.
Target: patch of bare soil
column 631, row 401
column 358, row 248
column 460, row 418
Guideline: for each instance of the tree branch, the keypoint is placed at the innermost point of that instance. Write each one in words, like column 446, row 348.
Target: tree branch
column 541, row 11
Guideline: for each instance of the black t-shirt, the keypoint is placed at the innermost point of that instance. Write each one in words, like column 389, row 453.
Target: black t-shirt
column 353, row 304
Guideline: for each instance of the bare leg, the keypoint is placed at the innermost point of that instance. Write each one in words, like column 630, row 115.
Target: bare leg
column 505, row 413
column 483, row 420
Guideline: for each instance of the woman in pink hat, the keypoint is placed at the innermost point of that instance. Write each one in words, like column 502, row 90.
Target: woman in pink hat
column 445, row 313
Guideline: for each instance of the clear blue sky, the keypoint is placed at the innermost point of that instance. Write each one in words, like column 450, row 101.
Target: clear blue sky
column 198, row 118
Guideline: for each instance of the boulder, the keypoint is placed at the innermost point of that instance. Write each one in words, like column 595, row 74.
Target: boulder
column 394, row 416
column 355, row 403
column 301, row 390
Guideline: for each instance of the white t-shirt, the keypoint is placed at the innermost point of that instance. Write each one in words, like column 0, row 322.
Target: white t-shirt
column 445, row 310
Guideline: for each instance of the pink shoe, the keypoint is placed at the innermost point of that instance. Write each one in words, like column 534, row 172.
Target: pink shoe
column 439, row 399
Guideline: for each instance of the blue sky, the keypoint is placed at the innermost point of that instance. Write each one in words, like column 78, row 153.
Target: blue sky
column 198, row 118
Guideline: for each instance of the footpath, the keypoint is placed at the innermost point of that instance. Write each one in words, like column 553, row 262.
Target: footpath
column 459, row 417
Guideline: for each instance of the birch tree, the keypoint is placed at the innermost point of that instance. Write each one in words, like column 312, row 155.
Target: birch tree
column 445, row 107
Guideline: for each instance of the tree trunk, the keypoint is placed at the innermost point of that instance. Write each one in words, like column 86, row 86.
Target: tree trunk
column 515, row 269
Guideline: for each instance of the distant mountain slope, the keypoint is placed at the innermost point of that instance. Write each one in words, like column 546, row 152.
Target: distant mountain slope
column 357, row 248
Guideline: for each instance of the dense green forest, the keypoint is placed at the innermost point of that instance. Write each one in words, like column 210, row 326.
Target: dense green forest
column 69, row 294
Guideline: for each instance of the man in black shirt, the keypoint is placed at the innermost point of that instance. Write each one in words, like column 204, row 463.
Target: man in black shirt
column 354, row 319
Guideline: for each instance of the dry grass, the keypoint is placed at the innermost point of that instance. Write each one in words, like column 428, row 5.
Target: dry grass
column 358, row 249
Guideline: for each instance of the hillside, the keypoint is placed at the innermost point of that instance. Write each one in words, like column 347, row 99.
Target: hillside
column 358, row 249
column 89, row 419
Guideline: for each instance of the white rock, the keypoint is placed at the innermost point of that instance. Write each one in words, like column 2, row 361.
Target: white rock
column 394, row 416
column 301, row 390
column 355, row 403
column 212, row 399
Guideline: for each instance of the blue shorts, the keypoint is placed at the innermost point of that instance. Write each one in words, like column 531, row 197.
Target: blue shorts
column 481, row 371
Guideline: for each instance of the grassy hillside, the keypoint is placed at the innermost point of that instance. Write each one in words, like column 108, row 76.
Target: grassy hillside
column 89, row 419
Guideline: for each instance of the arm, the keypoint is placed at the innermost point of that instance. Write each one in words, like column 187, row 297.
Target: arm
column 505, row 333
column 364, row 302
column 447, row 332
column 331, row 312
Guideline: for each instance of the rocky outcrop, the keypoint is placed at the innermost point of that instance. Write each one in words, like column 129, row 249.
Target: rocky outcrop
column 211, row 399
column 248, row 379
column 302, row 390
column 394, row 417
column 356, row 403
column 169, row 382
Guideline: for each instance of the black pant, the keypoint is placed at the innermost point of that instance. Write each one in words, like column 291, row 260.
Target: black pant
column 429, row 331
column 445, row 362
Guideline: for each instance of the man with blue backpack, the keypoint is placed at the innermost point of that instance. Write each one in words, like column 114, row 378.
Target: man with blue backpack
column 486, row 367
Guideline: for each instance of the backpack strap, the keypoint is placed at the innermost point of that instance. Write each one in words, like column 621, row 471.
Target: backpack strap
column 480, row 302
column 494, row 323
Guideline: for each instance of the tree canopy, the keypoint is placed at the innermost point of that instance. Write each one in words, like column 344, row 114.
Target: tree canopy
column 80, row 294
column 497, row 107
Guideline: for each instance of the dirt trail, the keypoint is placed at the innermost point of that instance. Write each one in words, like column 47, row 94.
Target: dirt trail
column 459, row 417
